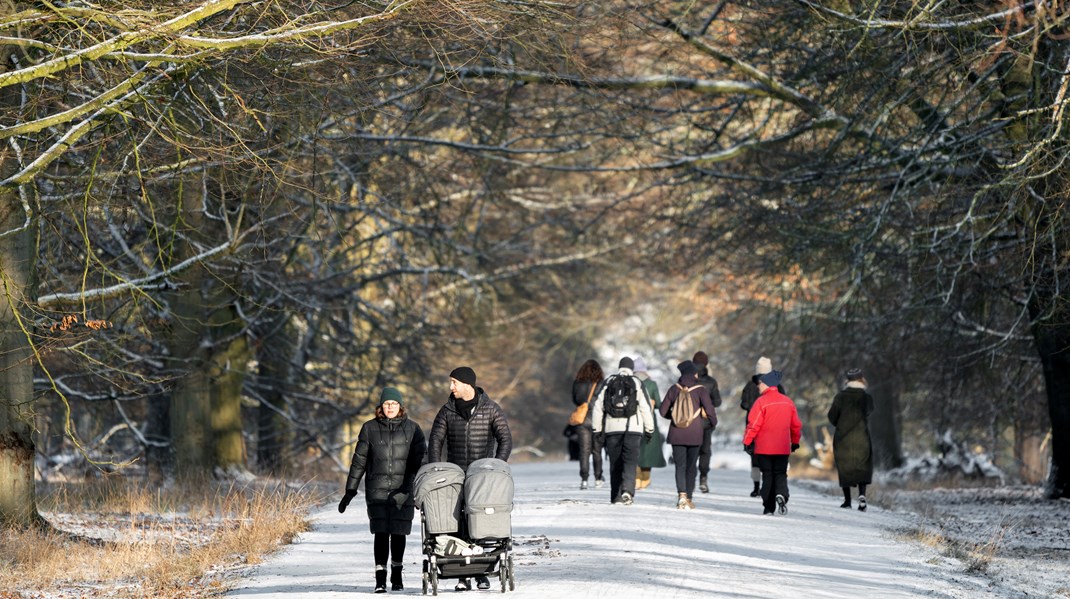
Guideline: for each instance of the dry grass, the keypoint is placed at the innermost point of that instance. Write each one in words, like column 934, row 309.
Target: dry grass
column 976, row 557
column 120, row 539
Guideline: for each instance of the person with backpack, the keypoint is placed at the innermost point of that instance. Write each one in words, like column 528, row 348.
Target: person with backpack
column 587, row 380
column 705, row 452
column 621, row 413
column 650, row 454
column 389, row 451
column 773, row 432
column 684, row 404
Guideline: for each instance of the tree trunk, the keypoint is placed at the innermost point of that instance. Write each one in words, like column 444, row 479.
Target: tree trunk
column 191, row 400
column 884, row 425
column 275, row 356
column 18, row 504
column 1053, row 344
column 228, row 365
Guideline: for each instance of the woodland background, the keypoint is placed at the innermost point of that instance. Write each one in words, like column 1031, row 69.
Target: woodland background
column 225, row 225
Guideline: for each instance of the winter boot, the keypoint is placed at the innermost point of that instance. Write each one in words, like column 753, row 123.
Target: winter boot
column 703, row 485
column 861, row 503
column 781, row 504
column 846, row 503
column 757, row 492
column 683, row 503
column 599, row 482
column 583, row 485
column 380, row 579
column 395, row 577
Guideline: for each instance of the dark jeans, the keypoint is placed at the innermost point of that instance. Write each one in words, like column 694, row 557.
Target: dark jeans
column 623, row 451
column 774, row 478
column 705, row 452
column 590, row 451
column 685, row 458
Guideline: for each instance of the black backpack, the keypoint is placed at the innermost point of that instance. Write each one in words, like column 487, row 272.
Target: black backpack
column 621, row 399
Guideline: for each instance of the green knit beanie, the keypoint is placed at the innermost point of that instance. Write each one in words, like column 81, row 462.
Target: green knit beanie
column 389, row 394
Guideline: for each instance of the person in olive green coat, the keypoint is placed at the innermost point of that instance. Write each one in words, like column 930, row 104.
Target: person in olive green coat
column 851, row 445
column 650, row 453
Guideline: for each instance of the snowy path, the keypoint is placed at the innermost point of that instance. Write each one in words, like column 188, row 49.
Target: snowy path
column 572, row 543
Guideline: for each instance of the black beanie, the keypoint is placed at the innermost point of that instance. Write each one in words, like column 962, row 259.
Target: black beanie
column 687, row 367
column 626, row 362
column 464, row 374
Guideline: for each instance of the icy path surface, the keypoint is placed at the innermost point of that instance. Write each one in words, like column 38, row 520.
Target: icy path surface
column 572, row 543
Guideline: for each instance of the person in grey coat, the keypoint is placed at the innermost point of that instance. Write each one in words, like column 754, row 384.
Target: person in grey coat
column 389, row 451
column 851, row 445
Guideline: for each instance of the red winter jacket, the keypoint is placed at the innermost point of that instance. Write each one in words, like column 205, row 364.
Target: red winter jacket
column 773, row 424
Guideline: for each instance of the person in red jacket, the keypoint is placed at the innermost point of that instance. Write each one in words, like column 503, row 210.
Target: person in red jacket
column 773, row 432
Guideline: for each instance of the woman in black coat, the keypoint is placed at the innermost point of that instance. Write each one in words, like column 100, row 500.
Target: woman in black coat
column 584, row 387
column 851, row 445
column 389, row 451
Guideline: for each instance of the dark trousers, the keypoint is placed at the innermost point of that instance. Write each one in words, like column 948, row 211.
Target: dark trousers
column 623, row 451
column 590, row 451
column 705, row 451
column 388, row 546
column 774, row 478
column 685, row 458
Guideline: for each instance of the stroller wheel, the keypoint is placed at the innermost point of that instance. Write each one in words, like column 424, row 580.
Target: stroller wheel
column 512, row 577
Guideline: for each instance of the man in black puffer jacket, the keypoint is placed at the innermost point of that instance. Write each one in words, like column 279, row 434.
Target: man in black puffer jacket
column 471, row 426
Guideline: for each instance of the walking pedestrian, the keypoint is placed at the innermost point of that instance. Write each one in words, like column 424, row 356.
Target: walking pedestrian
column 702, row 362
column 773, row 432
column 584, row 385
column 621, row 412
column 852, row 447
column 747, row 399
column 470, row 426
column 388, row 453
column 687, row 404
column 650, row 454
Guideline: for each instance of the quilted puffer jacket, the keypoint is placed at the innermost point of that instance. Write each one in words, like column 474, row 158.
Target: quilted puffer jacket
column 387, row 456
column 462, row 441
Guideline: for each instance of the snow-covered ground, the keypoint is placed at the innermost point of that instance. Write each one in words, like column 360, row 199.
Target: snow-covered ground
column 573, row 543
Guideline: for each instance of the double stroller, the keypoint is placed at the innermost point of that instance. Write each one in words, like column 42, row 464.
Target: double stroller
column 465, row 527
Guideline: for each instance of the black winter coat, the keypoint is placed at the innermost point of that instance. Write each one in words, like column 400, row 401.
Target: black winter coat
column 462, row 441
column 851, row 446
column 581, row 394
column 387, row 456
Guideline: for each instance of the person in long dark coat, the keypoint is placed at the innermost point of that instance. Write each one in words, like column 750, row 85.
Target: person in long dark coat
column 650, row 454
column 389, row 451
column 851, row 445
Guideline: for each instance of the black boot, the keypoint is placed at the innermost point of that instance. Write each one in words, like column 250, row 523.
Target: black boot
column 395, row 578
column 757, row 489
column 380, row 579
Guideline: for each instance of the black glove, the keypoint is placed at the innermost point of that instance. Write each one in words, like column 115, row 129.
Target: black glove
column 794, row 446
column 648, row 437
column 749, row 449
column 344, row 503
